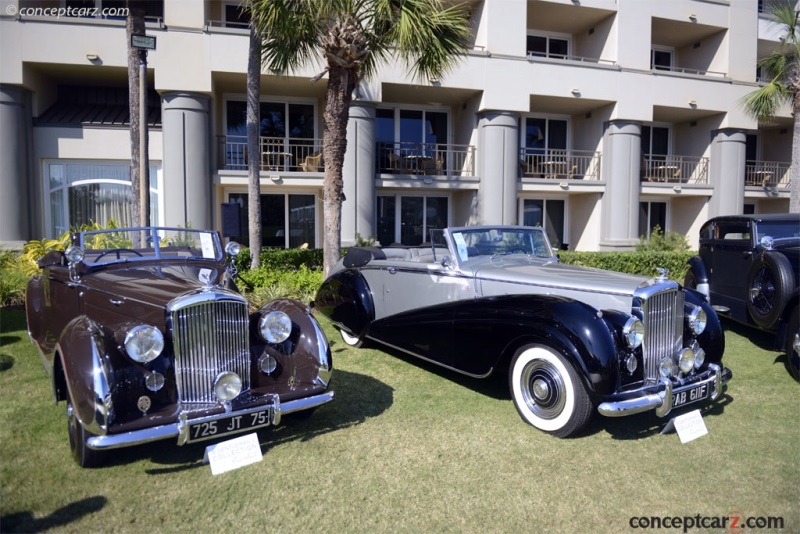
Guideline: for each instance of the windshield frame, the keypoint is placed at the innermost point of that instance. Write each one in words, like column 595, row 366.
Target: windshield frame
column 537, row 247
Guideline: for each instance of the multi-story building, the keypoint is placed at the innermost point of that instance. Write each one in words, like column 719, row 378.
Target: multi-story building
column 597, row 119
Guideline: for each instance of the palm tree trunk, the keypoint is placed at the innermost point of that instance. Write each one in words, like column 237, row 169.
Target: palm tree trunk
column 334, row 145
column 254, row 148
column 134, row 24
column 794, row 187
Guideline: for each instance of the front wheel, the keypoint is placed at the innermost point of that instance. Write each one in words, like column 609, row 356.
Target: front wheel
column 81, row 453
column 793, row 343
column 351, row 340
column 547, row 391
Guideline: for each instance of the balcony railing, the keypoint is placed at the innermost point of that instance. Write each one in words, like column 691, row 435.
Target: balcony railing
column 774, row 174
column 430, row 159
column 685, row 70
column 559, row 164
column 675, row 169
column 277, row 154
column 532, row 56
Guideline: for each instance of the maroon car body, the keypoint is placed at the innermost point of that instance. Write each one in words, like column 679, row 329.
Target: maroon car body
column 153, row 341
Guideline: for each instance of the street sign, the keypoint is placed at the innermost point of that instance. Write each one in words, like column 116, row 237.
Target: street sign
column 144, row 42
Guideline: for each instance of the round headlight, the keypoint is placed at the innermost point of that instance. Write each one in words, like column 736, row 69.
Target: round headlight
column 227, row 386
column 686, row 360
column 667, row 368
column 275, row 327
column 633, row 332
column 697, row 320
column 699, row 358
column 75, row 254
column 144, row 343
column 233, row 248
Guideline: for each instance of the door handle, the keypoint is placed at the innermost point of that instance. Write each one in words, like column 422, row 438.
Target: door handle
column 392, row 270
column 116, row 302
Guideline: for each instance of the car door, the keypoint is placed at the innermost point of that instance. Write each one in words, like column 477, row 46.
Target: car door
column 731, row 255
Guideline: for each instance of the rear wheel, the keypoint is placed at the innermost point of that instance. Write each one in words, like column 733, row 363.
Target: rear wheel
column 769, row 284
column 547, row 391
column 793, row 343
column 353, row 341
column 81, row 453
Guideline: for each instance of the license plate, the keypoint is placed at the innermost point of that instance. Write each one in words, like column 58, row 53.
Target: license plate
column 690, row 395
column 229, row 425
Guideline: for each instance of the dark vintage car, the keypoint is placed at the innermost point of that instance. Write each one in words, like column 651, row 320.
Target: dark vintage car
column 748, row 266
column 573, row 340
column 145, row 337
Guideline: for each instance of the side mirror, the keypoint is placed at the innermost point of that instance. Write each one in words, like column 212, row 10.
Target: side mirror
column 447, row 262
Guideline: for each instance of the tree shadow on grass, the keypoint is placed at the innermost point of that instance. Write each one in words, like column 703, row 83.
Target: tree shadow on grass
column 25, row 522
column 358, row 398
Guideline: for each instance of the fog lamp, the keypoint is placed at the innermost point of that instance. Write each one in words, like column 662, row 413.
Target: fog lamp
column 686, row 360
column 267, row 364
column 699, row 357
column 633, row 332
column 144, row 343
column 667, row 367
column 631, row 363
column 227, row 386
column 154, row 381
column 275, row 327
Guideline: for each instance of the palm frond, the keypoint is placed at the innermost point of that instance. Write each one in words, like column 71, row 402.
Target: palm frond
column 763, row 103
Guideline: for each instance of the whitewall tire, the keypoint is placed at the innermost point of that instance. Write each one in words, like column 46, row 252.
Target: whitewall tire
column 351, row 340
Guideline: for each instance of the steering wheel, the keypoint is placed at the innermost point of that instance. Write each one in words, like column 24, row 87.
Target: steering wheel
column 517, row 250
column 117, row 251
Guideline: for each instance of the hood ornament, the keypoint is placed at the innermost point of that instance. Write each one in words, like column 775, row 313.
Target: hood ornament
column 662, row 274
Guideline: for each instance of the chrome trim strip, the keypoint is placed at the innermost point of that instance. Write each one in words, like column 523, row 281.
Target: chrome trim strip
column 459, row 371
column 147, row 435
column 324, row 373
column 200, row 296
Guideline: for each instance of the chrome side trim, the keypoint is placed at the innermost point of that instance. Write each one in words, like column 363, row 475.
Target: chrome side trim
column 323, row 351
column 179, row 429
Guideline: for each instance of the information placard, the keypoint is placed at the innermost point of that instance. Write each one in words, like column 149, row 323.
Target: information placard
column 690, row 426
column 233, row 454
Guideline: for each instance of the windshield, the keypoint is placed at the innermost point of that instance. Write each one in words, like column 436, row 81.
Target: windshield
column 472, row 243
column 777, row 229
column 134, row 244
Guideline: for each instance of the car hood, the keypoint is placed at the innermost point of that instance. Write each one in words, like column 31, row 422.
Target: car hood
column 154, row 284
column 560, row 275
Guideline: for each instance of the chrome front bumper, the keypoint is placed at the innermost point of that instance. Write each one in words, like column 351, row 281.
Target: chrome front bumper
column 661, row 402
column 180, row 429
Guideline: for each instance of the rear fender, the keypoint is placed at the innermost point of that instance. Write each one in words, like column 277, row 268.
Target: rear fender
column 697, row 266
column 346, row 299
column 87, row 373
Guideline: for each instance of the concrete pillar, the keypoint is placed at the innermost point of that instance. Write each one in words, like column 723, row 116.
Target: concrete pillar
column 726, row 172
column 498, row 167
column 621, row 168
column 16, row 178
column 187, row 160
column 358, row 173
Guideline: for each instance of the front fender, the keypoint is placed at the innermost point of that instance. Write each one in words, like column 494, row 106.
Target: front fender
column 86, row 372
column 346, row 299
column 712, row 340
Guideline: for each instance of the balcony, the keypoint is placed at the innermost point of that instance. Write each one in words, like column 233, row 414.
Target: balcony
column 767, row 174
column 675, row 170
column 552, row 164
column 428, row 159
column 277, row 154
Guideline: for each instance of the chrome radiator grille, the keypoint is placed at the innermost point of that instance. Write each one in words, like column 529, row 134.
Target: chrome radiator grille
column 663, row 329
column 210, row 337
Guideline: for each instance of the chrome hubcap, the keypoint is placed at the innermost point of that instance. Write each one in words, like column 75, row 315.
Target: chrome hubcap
column 540, row 389
column 543, row 389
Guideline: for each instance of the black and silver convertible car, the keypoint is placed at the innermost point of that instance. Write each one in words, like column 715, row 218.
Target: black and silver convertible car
column 145, row 337
column 574, row 340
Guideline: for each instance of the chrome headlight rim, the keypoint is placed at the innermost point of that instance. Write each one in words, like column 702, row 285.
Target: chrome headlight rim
column 233, row 248
column 275, row 327
column 144, row 343
column 75, row 254
column 633, row 332
column 227, row 386
column 667, row 367
column 697, row 320
column 686, row 360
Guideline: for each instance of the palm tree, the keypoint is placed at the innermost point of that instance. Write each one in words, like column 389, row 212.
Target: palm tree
column 783, row 67
column 254, row 147
column 351, row 37
column 134, row 24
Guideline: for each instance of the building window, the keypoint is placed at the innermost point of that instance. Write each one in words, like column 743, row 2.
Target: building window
column 655, row 142
column 661, row 58
column 236, row 16
column 548, row 46
column 549, row 214
column 408, row 220
column 85, row 192
column 287, row 220
column 749, row 209
column 405, row 134
column 652, row 214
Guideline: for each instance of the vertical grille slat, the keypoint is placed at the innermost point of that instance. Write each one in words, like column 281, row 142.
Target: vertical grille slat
column 663, row 323
column 210, row 337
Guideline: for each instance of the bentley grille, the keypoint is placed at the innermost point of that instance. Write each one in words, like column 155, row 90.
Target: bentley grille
column 210, row 337
column 663, row 329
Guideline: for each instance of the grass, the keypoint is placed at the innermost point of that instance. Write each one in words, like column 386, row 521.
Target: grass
column 407, row 447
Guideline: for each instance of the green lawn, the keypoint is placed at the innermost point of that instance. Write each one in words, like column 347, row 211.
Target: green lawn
column 406, row 447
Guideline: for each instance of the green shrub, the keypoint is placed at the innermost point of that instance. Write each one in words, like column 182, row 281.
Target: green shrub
column 269, row 284
column 641, row 263
column 13, row 279
column 661, row 242
column 282, row 259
